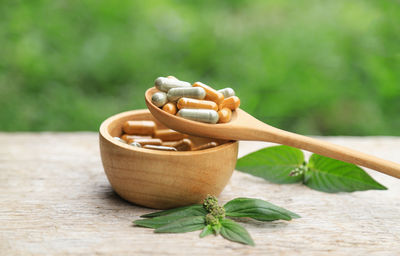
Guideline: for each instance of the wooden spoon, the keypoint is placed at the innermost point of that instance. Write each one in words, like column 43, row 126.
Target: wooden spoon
column 243, row 126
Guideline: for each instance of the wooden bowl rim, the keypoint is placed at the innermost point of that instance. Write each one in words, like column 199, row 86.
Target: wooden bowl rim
column 106, row 135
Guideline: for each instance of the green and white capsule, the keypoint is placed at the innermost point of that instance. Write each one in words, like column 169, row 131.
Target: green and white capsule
column 135, row 144
column 159, row 99
column 227, row 92
column 163, row 148
column 165, row 84
column 201, row 115
column 188, row 92
column 120, row 140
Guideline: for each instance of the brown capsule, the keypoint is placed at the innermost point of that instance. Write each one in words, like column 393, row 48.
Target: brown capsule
column 170, row 108
column 163, row 148
column 194, row 103
column 211, row 144
column 211, row 93
column 172, row 77
column 168, row 135
column 139, row 127
column 151, row 141
column 225, row 115
column 129, row 138
column 183, row 145
column 232, row 103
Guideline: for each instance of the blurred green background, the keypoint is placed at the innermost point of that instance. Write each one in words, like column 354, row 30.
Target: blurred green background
column 313, row 67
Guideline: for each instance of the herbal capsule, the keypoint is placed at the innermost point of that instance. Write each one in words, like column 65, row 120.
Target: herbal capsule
column 225, row 115
column 189, row 92
column 130, row 138
column 151, row 141
column 211, row 94
column 135, row 144
column 183, row 145
column 232, row 103
column 172, row 77
column 165, row 84
column 139, row 127
column 168, row 135
column 206, row 146
column 201, row 115
column 170, row 108
column 163, row 148
column 159, row 99
column 227, row 92
column 120, row 140
column 169, row 143
column 193, row 103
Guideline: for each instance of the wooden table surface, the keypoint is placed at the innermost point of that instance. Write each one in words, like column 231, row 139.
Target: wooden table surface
column 55, row 199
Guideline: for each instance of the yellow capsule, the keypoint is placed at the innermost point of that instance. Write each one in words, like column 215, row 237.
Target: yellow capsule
column 225, row 115
column 211, row 93
column 163, row 148
column 169, row 143
column 227, row 92
column 170, row 108
column 129, row 138
column 139, row 127
column 232, row 103
column 206, row 146
column 151, row 141
column 183, row 145
column 165, row 84
column 193, row 103
column 159, row 99
column 189, row 92
column 168, row 135
column 200, row 115
column 143, row 140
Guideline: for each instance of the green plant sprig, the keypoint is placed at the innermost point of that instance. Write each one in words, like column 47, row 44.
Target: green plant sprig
column 284, row 164
column 212, row 219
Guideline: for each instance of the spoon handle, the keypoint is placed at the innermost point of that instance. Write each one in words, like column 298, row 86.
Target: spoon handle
column 265, row 132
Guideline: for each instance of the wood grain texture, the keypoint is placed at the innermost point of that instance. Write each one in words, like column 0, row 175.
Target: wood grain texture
column 55, row 200
column 243, row 126
column 163, row 179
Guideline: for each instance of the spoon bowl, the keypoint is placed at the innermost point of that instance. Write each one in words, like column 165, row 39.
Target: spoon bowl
column 243, row 126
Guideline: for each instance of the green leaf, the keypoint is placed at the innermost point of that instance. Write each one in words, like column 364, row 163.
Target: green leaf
column 191, row 210
column 217, row 228
column 183, row 225
column 273, row 164
column 234, row 232
column 330, row 175
column 208, row 230
column 257, row 209
column 157, row 221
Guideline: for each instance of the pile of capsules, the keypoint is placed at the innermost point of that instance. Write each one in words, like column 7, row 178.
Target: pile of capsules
column 198, row 102
column 145, row 134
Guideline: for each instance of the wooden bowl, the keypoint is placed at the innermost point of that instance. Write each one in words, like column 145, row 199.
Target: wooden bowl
column 161, row 179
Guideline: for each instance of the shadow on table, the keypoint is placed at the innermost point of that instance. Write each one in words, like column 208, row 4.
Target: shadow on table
column 113, row 199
